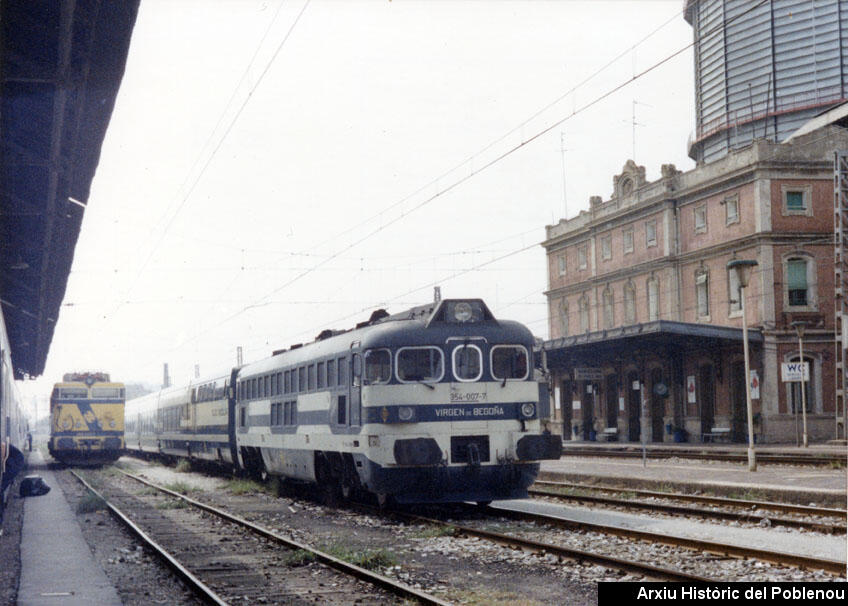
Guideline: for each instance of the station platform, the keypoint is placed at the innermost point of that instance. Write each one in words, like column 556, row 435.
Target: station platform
column 57, row 567
column 822, row 485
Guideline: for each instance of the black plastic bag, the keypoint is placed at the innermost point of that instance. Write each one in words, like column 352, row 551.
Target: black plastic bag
column 33, row 486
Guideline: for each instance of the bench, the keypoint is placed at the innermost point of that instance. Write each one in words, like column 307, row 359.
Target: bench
column 716, row 433
column 610, row 434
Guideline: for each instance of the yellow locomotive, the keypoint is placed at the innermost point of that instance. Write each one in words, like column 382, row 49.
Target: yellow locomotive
column 87, row 419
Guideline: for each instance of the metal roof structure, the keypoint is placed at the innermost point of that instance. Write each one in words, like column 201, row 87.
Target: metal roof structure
column 61, row 64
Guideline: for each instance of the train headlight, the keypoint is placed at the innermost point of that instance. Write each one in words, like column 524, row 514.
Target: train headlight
column 406, row 414
column 528, row 409
column 463, row 312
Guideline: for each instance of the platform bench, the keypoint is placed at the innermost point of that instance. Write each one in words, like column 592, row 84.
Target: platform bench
column 716, row 433
column 610, row 434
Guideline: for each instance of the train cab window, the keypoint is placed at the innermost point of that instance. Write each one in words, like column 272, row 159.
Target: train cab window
column 71, row 393
column 378, row 366
column 107, row 392
column 420, row 364
column 322, row 375
column 467, row 362
column 509, row 362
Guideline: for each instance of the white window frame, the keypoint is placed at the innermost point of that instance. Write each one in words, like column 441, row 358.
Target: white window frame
column 733, row 299
column 702, row 283
column 629, row 304
column 365, row 380
column 397, row 364
column 649, row 227
column 731, row 201
column 699, row 213
column 627, row 240
column 453, row 363
column 807, row 193
column 812, row 291
column 606, row 247
column 563, row 317
column 561, row 264
column 583, row 256
column 608, row 303
column 653, row 313
column 513, row 346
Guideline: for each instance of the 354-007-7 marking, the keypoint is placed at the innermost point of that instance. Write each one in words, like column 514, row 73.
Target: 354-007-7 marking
column 468, row 397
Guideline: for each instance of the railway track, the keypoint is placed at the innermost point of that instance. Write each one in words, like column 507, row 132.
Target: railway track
column 226, row 559
column 512, row 541
column 820, row 459
column 753, row 510
column 721, row 549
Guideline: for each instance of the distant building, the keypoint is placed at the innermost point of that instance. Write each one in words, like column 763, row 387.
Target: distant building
column 645, row 319
column 762, row 69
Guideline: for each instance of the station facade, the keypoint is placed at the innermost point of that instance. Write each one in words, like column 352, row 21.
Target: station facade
column 645, row 319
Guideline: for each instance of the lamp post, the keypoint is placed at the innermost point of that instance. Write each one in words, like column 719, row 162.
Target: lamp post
column 742, row 268
column 799, row 326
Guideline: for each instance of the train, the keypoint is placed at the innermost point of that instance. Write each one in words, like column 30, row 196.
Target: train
column 13, row 423
column 439, row 403
column 87, row 419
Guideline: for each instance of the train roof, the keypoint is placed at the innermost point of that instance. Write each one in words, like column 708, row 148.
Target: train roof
column 456, row 316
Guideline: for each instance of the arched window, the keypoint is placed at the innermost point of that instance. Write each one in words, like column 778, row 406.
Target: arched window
column 799, row 282
column 609, row 308
column 702, row 293
column 583, row 306
column 653, row 299
column 629, row 303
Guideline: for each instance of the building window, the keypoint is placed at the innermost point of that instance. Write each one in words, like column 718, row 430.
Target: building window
column 796, row 200
column 583, row 257
column 561, row 264
column 733, row 293
column 629, row 304
column 627, row 240
column 609, row 308
column 702, row 294
column 796, row 282
column 606, row 248
column 563, row 318
column 731, row 210
column 700, row 219
column 583, row 306
column 651, row 233
column 653, row 300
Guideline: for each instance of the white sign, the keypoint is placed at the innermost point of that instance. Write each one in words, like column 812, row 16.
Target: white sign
column 621, row 404
column 690, row 389
column 755, row 385
column 575, row 404
column 792, row 371
column 585, row 373
column 635, row 386
column 556, row 397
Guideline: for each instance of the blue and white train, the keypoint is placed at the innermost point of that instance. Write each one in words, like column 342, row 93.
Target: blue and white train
column 439, row 403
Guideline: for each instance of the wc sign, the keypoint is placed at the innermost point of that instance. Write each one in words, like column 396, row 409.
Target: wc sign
column 795, row 371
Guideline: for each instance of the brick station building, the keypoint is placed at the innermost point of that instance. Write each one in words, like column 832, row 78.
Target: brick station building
column 645, row 318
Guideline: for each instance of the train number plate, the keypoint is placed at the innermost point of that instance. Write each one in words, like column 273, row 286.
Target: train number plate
column 461, row 394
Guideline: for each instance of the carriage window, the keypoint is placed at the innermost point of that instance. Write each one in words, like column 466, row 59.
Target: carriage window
column 509, row 362
column 342, row 372
column 322, row 376
column 420, row 364
column 378, row 366
column 467, row 362
column 301, row 378
column 331, row 373
column 311, row 377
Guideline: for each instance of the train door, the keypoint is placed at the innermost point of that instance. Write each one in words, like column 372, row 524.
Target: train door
column 355, row 400
column 634, row 407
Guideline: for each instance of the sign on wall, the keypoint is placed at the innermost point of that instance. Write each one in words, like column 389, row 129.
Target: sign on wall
column 690, row 389
column 794, row 371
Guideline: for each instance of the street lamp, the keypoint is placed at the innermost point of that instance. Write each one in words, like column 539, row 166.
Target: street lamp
column 742, row 268
column 799, row 326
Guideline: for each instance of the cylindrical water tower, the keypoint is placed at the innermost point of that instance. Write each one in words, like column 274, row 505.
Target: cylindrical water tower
column 763, row 68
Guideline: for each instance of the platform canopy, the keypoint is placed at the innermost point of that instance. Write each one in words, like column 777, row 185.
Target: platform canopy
column 61, row 63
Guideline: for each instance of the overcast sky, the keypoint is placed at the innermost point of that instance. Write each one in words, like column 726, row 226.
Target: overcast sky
column 273, row 169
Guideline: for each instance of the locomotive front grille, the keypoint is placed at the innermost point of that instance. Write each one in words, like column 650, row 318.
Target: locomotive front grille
column 470, row 449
